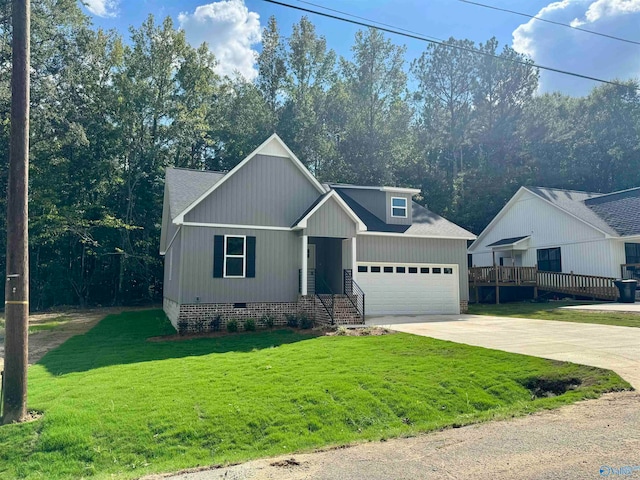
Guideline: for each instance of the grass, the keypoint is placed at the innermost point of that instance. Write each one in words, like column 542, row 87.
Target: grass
column 551, row 311
column 117, row 406
column 49, row 324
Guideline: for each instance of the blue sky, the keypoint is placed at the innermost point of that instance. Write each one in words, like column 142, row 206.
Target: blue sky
column 232, row 28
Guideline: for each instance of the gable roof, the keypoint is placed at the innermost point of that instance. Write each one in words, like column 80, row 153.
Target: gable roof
column 271, row 146
column 507, row 241
column 614, row 214
column 186, row 186
column 321, row 200
column 424, row 221
column 573, row 202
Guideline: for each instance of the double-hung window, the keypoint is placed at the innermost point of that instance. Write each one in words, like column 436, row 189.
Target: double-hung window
column 399, row 207
column 235, row 256
column 632, row 252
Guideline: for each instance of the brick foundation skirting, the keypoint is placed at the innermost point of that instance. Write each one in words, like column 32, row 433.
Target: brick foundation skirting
column 464, row 306
column 206, row 317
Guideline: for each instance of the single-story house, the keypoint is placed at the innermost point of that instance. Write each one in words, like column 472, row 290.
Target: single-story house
column 564, row 231
column 267, row 238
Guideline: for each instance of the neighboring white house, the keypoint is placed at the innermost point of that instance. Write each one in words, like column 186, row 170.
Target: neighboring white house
column 563, row 231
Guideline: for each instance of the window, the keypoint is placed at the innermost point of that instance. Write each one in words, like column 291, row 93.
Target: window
column 437, row 270
column 388, row 269
column 362, row 269
column 400, row 270
column 413, row 269
column 632, row 252
column 448, row 271
column 375, row 269
column 549, row 260
column 234, row 256
column 399, row 207
column 469, row 260
column 424, row 269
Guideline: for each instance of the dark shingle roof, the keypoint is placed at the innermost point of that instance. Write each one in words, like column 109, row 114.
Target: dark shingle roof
column 621, row 210
column 424, row 221
column 507, row 241
column 311, row 207
column 186, row 186
column 616, row 213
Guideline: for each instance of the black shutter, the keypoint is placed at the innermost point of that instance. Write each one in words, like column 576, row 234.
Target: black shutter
column 251, row 257
column 218, row 256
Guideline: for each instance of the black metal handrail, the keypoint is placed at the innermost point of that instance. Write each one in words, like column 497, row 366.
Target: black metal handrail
column 354, row 293
column 311, row 280
column 327, row 299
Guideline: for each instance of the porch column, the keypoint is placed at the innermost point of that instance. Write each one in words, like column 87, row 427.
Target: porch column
column 304, row 265
column 354, row 267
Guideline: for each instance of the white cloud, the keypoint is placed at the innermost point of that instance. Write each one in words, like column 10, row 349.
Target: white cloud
column 230, row 30
column 581, row 52
column 102, row 8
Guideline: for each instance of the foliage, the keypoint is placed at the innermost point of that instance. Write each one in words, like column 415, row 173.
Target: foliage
column 215, row 323
column 305, row 322
column 292, row 320
column 250, row 325
column 118, row 406
column 232, row 325
column 111, row 113
column 183, row 326
column 268, row 320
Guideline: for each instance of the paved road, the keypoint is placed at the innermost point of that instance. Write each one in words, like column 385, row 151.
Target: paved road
column 571, row 443
column 605, row 346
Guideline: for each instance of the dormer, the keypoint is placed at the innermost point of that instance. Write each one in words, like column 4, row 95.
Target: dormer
column 398, row 205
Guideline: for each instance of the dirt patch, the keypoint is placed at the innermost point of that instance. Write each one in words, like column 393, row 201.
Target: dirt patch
column 550, row 387
column 73, row 322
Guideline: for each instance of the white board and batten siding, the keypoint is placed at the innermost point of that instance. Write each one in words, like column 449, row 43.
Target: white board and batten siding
column 584, row 249
column 409, row 288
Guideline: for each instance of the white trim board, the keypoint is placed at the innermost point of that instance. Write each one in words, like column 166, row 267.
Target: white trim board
column 332, row 194
column 403, row 235
column 231, row 225
column 171, row 242
column 272, row 138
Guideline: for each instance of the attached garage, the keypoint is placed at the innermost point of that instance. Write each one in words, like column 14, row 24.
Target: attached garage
column 409, row 288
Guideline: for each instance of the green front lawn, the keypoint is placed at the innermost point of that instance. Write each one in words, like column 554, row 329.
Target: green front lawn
column 116, row 405
column 552, row 311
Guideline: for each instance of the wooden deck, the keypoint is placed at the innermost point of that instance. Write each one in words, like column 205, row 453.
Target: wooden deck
column 599, row 288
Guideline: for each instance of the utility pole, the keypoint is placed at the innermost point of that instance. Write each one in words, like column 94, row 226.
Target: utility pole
column 16, row 308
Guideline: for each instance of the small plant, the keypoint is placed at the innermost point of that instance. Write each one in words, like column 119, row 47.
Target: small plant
column 342, row 331
column 250, row 325
column 292, row 320
column 232, row 325
column 305, row 322
column 183, row 327
column 268, row 320
column 214, row 324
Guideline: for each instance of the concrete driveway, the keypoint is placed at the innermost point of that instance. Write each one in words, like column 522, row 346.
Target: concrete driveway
column 605, row 346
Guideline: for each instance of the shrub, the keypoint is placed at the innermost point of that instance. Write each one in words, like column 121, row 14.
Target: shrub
column 232, row 325
column 250, row 325
column 214, row 324
column 292, row 320
column 268, row 320
column 183, row 327
column 342, row 331
column 305, row 322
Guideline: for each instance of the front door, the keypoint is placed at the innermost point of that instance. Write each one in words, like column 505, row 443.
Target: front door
column 311, row 269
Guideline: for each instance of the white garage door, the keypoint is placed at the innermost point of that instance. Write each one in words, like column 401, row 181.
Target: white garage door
column 409, row 288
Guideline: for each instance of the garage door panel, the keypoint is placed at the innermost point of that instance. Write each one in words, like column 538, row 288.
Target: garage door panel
column 410, row 293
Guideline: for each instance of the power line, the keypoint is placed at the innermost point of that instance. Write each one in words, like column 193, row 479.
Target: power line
column 369, row 20
column 534, row 17
column 423, row 38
